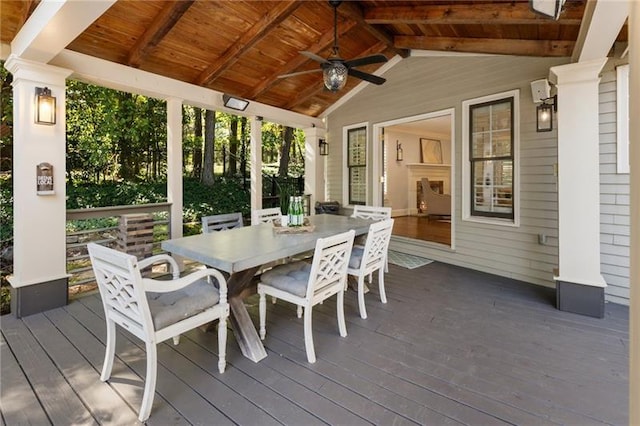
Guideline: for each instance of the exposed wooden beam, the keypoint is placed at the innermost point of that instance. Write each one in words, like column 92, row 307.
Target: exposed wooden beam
column 323, row 43
column 161, row 25
column 278, row 13
column 352, row 11
column 28, row 7
column 499, row 46
column 312, row 91
column 462, row 14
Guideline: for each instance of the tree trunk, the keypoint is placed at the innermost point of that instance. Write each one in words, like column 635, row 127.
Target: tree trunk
column 233, row 145
column 197, row 150
column 243, row 154
column 209, row 144
column 286, row 148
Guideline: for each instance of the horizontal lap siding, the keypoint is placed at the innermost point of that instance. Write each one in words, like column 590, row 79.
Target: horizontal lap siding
column 614, row 198
column 422, row 85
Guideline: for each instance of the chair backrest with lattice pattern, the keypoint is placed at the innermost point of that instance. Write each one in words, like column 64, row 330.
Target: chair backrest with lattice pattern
column 259, row 216
column 221, row 222
column 375, row 249
column 330, row 263
column 371, row 212
column 121, row 289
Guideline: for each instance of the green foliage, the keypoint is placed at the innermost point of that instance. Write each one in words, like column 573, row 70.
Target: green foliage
column 6, row 210
column 227, row 195
column 5, row 300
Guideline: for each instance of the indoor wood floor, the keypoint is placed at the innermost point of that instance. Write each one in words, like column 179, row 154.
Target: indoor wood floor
column 422, row 228
column 451, row 346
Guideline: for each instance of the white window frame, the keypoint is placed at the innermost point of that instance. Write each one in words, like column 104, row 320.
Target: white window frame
column 622, row 118
column 466, row 166
column 345, row 167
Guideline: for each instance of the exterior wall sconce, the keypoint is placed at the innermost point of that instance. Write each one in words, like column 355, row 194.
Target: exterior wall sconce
column 238, row 104
column 323, row 147
column 45, row 106
column 544, row 114
column 399, row 153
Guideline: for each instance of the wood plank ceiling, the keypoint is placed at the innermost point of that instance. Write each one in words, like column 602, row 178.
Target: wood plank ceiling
column 241, row 47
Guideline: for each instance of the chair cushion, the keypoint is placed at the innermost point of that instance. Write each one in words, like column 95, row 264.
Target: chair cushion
column 356, row 257
column 292, row 278
column 169, row 308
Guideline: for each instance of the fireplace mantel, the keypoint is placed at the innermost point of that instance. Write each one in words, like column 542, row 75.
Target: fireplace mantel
column 424, row 165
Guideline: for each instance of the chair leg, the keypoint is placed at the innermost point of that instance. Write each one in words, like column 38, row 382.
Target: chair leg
column 262, row 306
column 363, row 309
column 383, row 295
column 386, row 265
column 176, row 339
column 299, row 311
column 342, row 325
column 222, row 344
column 150, row 381
column 308, row 335
column 109, row 351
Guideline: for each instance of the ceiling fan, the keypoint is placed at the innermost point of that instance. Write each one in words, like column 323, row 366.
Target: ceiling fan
column 335, row 69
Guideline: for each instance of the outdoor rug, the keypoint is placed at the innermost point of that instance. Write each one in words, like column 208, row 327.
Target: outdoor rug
column 407, row 260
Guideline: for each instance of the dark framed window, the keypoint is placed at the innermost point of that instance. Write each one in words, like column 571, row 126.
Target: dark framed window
column 357, row 164
column 491, row 156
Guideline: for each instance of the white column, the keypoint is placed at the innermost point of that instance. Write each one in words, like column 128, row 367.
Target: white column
column 634, row 155
column 314, row 166
column 578, row 172
column 256, row 163
column 174, row 164
column 39, row 239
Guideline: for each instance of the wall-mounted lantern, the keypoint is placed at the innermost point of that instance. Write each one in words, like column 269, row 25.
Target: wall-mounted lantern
column 323, row 147
column 45, row 106
column 399, row 153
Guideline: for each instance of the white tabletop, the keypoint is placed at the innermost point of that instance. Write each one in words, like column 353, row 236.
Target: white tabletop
column 239, row 249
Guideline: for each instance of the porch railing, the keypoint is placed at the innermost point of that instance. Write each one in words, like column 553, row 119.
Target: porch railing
column 83, row 231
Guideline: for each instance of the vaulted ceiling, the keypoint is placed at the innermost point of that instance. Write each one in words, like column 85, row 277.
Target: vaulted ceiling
column 242, row 47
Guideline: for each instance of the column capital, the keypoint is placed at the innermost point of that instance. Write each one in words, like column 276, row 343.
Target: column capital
column 577, row 72
column 23, row 69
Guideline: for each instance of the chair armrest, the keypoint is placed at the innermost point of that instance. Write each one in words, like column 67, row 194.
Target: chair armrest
column 161, row 258
column 157, row 286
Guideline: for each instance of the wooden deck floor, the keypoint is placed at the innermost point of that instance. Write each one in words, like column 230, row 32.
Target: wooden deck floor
column 451, row 346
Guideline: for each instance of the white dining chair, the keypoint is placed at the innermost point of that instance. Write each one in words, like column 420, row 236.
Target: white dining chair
column 221, row 222
column 259, row 216
column 372, row 213
column 307, row 284
column 372, row 257
column 156, row 310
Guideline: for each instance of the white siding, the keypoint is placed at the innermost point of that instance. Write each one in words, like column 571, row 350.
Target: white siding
column 421, row 85
column 614, row 198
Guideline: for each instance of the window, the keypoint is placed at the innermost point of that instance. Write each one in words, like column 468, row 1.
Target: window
column 357, row 164
column 490, row 142
column 622, row 100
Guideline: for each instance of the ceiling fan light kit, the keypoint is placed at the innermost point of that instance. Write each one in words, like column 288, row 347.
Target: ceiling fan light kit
column 335, row 76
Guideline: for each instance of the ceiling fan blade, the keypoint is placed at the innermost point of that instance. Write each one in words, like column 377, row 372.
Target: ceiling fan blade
column 298, row 73
column 366, row 76
column 313, row 56
column 366, row 60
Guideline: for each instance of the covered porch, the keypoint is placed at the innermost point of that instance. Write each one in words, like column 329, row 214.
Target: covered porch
column 452, row 346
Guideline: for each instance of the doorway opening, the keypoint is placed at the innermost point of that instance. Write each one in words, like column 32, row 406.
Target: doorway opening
column 416, row 172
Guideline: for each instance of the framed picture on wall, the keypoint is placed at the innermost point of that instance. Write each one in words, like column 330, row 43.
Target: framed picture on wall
column 430, row 151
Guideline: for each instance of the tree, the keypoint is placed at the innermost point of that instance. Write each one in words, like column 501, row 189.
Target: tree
column 287, row 136
column 197, row 150
column 233, row 145
column 209, row 144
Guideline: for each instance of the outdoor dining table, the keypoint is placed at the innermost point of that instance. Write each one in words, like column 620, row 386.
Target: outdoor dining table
column 242, row 251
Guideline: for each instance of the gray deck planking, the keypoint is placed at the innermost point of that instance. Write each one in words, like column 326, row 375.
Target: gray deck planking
column 452, row 346
column 18, row 403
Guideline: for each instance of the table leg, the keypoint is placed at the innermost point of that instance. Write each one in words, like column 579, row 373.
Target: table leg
column 243, row 328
